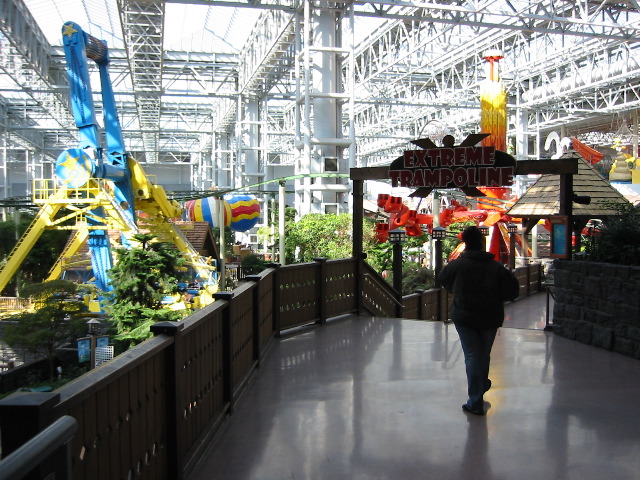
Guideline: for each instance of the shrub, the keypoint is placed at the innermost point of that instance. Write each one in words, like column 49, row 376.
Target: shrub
column 252, row 264
column 415, row 277
column 616, row 240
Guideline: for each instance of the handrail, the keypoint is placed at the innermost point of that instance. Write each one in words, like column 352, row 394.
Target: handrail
column 397, row 302
column 22, row 461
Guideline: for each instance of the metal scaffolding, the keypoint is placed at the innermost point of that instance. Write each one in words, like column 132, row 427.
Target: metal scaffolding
column 303, row 87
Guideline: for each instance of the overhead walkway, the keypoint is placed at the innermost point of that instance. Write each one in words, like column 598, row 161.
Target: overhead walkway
column 380, row 398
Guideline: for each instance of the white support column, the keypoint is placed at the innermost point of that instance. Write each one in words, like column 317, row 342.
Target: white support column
column 522, row 133
column 5, row 171
column 222, row 252
column 250, row 143
column 281, row 200
column 320, row 98
column 635, row 132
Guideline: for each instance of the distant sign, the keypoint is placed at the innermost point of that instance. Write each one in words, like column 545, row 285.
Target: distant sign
column 84, row 350
column 453, row 167
column 560, row 236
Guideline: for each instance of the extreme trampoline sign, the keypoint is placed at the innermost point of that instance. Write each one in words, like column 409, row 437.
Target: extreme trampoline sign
column 453, row 167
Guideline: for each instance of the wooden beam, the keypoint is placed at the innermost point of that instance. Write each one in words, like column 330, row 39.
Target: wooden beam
column 523, row 167
column 547, row 167
column 370, row 173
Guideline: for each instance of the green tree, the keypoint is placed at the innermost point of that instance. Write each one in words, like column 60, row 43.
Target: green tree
column 252, row 264
column 319, row 235
column 141, row 278
column 56, row 319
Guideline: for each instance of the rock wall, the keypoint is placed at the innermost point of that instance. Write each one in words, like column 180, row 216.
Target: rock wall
column 598, row 304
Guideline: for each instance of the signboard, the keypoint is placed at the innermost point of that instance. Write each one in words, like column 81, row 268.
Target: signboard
column 84, row 349
column 560, row 236
column 453, row 167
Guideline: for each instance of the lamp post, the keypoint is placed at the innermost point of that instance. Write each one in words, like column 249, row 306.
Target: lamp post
column 512, row 229
column 93, row 327
column 397, row 237
column 485, row 233
column 438, row 234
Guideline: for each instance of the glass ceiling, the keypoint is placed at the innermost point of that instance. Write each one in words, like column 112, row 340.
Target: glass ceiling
column 196, row 28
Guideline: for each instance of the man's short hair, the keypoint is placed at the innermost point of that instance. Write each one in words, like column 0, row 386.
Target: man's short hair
column 472, row 238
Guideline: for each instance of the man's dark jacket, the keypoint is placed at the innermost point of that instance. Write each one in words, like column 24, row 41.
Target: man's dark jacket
column 480, row 286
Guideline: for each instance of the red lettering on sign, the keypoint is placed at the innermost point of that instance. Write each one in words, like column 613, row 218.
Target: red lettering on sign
column 506, row 176
column 460, row 177
column 420, row 159
column 418, row 178
column 406, row 176
column 472, row 177
column 474, row 155
column 431, row 178
column 493, row 177
column 489, row 155
column 446, row 157
column 408, row 158
column 446, row 175
column 433, row 155
column 394, row 175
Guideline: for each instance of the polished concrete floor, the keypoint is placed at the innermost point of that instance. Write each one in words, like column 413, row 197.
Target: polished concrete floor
column 379, row 398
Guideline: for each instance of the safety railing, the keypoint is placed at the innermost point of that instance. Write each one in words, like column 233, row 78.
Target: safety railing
column 47, row 455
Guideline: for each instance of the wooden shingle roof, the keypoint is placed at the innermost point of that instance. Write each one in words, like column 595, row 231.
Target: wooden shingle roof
column 200, row 236
column 542, row 200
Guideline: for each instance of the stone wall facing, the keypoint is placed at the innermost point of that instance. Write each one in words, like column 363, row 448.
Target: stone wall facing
column 598, row 304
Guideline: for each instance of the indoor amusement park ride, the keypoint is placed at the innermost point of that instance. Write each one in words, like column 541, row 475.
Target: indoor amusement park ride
column 98, row 188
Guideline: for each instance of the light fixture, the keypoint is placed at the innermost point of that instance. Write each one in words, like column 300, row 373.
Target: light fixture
column 397, row 235
column 93, row 326
column 512, row 228
column 438, row 233
column 484, row 230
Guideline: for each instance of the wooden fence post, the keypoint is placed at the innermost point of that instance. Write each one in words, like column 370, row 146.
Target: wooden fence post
column 257, row 315
column 276, row 299
column 322, row 289
column 227, row 342
column 175, row 464
column 22, row 416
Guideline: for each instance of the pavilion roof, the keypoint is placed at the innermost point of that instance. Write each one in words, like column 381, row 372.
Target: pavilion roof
column 542, row 199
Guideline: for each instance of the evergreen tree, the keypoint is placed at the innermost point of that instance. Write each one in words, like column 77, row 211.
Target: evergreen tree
column 141, row 279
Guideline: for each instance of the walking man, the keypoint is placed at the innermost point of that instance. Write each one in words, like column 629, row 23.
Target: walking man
column 480, row 286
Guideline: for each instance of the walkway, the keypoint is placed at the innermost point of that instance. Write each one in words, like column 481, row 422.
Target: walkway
column 380, row 398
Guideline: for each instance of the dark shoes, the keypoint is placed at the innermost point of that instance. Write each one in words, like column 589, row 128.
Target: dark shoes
column 474, row 411
column 478, row 411
column 487, row 385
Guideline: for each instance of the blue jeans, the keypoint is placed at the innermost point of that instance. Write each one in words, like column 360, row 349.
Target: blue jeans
column 476, row 345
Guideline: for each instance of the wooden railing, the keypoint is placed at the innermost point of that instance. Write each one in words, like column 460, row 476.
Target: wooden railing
column 150, row 412
column 378, row 297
